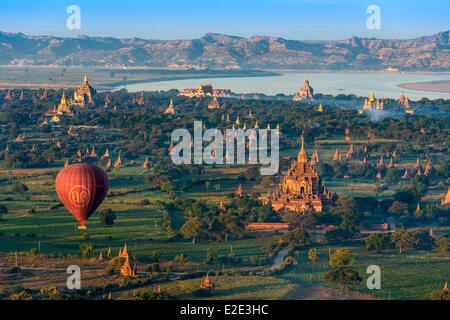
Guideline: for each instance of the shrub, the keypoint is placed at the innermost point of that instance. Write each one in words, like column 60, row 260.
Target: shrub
column 181, row 258
column 34, row 252
column 19, row 188
column 376, row 242
column 3, row 209
column 86, row 250
column 107, row 217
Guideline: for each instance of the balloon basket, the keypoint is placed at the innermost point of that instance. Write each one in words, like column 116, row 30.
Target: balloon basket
column 82, row 227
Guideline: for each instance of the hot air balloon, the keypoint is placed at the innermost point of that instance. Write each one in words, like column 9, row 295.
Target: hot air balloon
column 81, row 187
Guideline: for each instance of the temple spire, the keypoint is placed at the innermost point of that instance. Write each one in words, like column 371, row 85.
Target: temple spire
column 302, row 155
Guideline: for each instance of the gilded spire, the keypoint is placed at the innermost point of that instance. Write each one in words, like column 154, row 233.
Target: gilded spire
column 372, row 96
column 302, row 155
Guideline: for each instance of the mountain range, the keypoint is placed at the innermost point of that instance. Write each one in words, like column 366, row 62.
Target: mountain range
column 218, row 51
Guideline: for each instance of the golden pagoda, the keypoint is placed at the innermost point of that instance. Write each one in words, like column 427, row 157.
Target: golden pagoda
column 221, row 208
column 108, row 164
column 418, row 209
column 305, row 92
column 429, row 166
column 63, row 109
column 350, row 152
column 372, row 103
column 381, row 163
column 107, row 100
column 170, row 109
column 239, row 193
column 300, row 189
column 100, row 256
column 206, row 283
column 419, row 171
column 446, row 200
column 118, row 163
column 404, row 101
column 337, row 156
column 20, row 138
column 83, row 94
column 44, row 95
column 146, row 164
column 214, row 104
column 9, row 96
column 106, row 154
column 379, row 175
column 320, row 108
column 417, row 164
column 140, row 100
column 93, row 154
column 127, row 270
column 123, row 252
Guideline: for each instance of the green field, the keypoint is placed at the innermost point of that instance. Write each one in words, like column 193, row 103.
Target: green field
column 403, row 276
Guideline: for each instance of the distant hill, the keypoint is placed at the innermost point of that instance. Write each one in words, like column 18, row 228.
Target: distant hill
column 428, row 53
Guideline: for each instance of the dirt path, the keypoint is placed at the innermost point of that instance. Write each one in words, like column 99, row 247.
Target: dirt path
column 279, row 259
column 317, row 292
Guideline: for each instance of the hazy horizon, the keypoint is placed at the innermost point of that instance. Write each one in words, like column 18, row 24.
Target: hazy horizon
column 175, row 19
column 219, row 33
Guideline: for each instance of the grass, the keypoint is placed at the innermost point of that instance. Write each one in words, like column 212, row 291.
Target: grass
column 228, row 287
column 406, row 276
column 403, row 276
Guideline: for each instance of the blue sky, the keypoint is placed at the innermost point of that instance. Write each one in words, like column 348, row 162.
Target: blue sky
column 173, row 19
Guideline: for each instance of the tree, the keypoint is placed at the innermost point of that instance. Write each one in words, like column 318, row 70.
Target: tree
column 19, row 188
column 297, row 238
column 402, row 239
column 422, row 240
column 346, row 208
column 349, row 221
column 399, row 208
column 86, row 250
column 375, row 241
column 181, row 258
column 3, row 210
column 312, row 256
column 342, row 274
column 405, row 196
column 341, row 258
column 107, row 217
column 337, row 235
column 211, row 255
column 192, row 229
column 442, row 244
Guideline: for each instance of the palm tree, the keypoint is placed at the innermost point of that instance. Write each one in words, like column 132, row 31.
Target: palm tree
column 312, row 256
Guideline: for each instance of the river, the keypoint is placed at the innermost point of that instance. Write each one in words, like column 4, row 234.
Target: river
column 359, row 83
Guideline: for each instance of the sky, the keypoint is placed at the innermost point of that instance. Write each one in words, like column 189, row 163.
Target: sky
column 188, row 19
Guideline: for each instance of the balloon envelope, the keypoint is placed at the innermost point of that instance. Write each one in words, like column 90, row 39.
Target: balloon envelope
column 81, row 187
